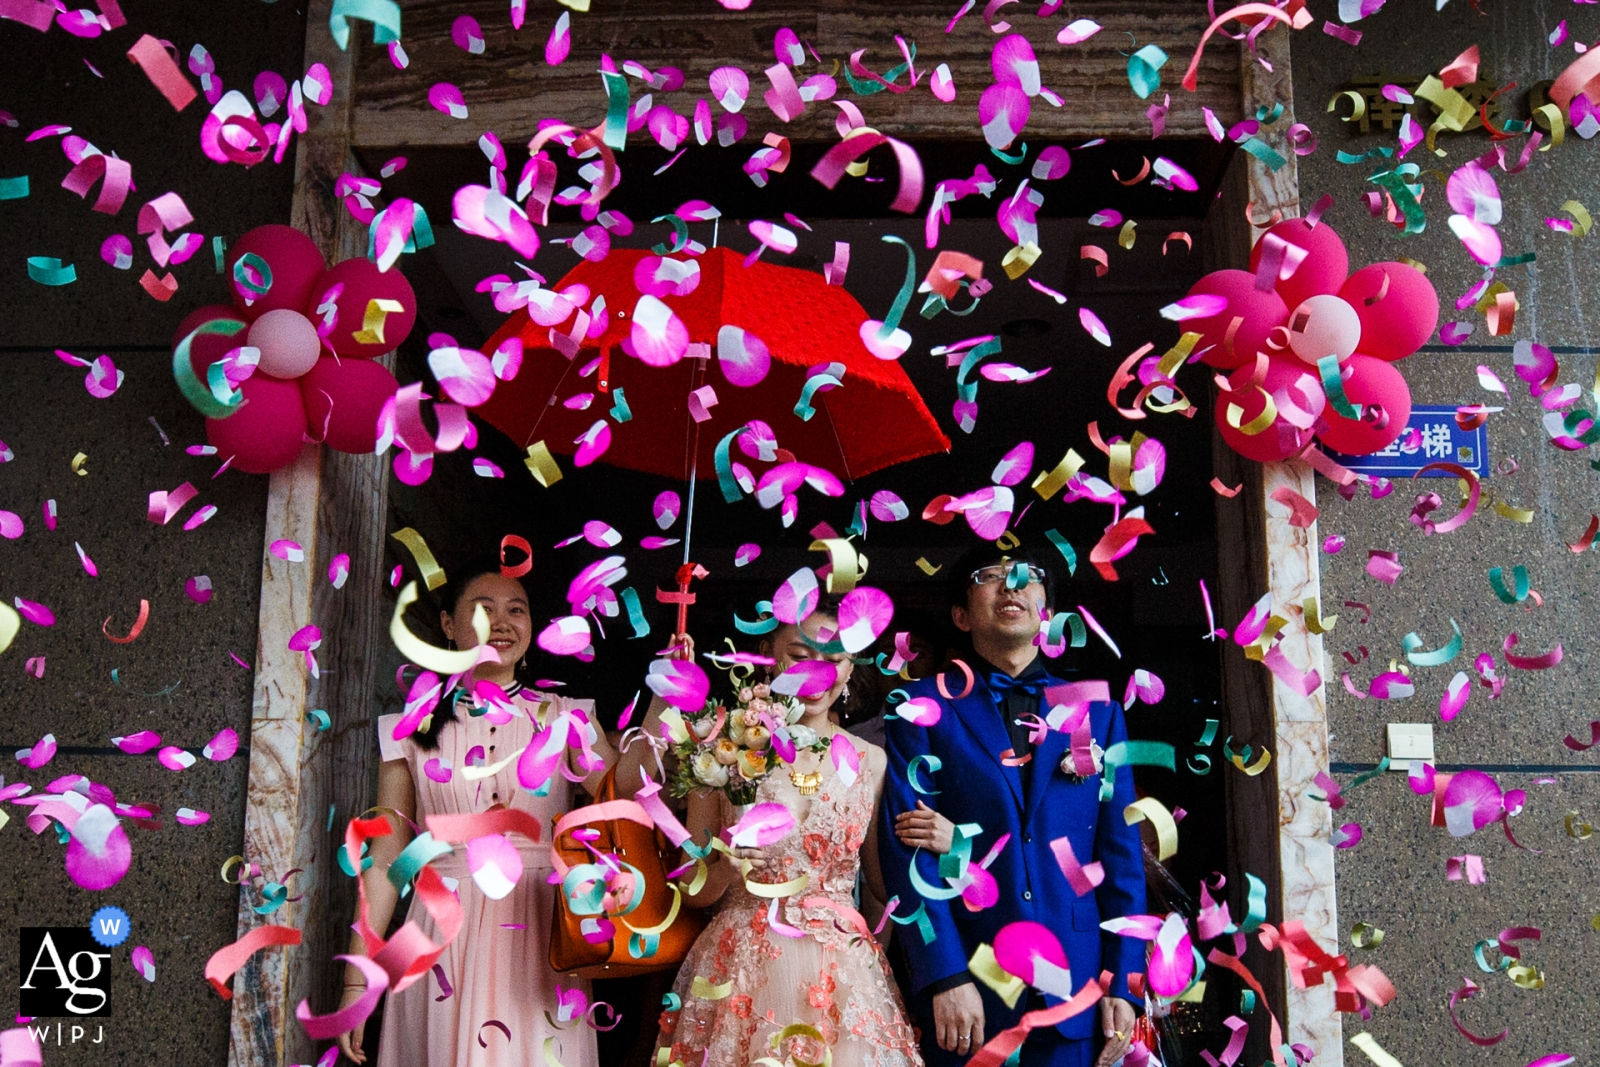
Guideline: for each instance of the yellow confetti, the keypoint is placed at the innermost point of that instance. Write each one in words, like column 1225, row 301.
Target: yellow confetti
column 848, row 566
column 423, row 654
column 1314, row 620
column 1194, row 994
column 707, row 991
column 371, row 332
column 1358, row 105
column 1255, row 768
column 1126, row 236
column 10, row 623
column 1525, row 977
column 1509, row 511
column 1017, row 261
column 1369, row 1044
column 1415, row 264
column 432, row 574
column 922, row 561
column 1007, row 986
column 1151, row 810
column 1049, row 483
column 78, row 467
column 1580, row 216
column 542, row 465
column 1557, row 123
column 1365, row 935
column 1582, row 831
column 1595, row 922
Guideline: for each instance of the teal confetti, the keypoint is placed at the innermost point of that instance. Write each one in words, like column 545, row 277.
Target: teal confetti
column 1144, row 70
column 47, row 270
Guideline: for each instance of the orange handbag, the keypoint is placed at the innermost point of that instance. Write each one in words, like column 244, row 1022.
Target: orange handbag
column 643, row 847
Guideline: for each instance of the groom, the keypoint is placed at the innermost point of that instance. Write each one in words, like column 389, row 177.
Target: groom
column 990, row 773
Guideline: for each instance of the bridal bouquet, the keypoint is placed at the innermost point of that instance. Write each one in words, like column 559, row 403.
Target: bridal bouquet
column 733, row 748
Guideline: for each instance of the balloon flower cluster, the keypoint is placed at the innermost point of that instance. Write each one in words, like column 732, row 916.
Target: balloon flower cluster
column 291, row 359
column 1310, row 351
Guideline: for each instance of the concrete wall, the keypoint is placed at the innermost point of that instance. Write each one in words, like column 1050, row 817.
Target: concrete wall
column 177, row 678
column 1395, row 878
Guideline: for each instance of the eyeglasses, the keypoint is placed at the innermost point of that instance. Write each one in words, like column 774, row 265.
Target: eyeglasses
column 991, row 575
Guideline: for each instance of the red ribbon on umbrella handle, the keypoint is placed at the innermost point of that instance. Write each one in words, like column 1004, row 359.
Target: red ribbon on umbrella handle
column 683, row 598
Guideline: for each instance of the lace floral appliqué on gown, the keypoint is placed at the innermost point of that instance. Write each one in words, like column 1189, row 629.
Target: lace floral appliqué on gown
column 830, row 978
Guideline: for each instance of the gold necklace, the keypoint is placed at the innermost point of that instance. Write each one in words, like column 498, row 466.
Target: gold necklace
column 806, row 783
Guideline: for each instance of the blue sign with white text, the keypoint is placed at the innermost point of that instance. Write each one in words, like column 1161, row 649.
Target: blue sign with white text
column 1431, row 436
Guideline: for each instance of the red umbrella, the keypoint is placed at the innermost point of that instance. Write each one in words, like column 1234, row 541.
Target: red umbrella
column 874, row 419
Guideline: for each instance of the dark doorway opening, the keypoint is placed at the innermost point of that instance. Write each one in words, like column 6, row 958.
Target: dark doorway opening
column 1153, row 612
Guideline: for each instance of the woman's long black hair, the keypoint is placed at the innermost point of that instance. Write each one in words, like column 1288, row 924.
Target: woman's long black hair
column 448, row 598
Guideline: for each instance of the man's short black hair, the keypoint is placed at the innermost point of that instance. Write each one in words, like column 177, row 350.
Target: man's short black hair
column 987, row 555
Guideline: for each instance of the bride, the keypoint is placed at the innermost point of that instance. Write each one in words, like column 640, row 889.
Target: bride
column 813, row 985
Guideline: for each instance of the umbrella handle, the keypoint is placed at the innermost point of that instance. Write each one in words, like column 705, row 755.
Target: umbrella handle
column 683, row 598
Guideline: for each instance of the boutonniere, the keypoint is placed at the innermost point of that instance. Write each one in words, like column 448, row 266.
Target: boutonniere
column 1083, row 761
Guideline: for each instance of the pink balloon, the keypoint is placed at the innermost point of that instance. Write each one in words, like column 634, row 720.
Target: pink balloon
column 1323, row 326
column 1371, row 381
column 1325, row 265
column 208, row 348
column 364, row 282
column 268, row 429
column 1281, row 439
column 294, row 260
column 1261, row 310
column 1401, row 320
column 343, row 399
column 288, row 342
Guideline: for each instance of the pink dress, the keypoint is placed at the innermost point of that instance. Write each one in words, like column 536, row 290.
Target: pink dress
column 831, row 978
column 499, row 965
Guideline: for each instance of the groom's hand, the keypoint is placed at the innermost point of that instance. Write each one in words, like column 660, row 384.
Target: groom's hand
column 958, row 1019
column 1116, row 1023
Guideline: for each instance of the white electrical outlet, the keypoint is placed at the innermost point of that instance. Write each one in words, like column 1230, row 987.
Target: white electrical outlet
column 1409, row 741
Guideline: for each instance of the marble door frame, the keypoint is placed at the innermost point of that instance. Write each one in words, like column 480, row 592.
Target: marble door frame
column 1305, row 827
column 314, row 502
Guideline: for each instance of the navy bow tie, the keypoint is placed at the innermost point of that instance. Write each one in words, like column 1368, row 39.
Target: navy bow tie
column 1002, row 685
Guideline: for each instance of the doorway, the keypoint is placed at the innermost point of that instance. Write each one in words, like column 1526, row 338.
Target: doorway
column 1153, row 613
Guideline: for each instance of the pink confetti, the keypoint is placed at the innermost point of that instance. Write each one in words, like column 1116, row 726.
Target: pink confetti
column 222, row 746
column 1469, row 866
column 1384, row 566
column 1096, row 329
column 35, row 612
column 446, row 98
column 200, row 517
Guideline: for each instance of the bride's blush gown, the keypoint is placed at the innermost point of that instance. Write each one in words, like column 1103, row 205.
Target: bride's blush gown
column 826, row 975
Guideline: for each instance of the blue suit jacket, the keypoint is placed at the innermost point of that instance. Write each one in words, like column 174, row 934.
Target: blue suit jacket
column 974, row 786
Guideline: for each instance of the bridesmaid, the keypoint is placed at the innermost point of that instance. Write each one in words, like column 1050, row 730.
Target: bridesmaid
column 499, row 962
